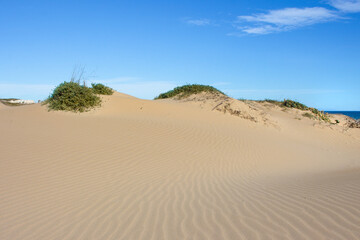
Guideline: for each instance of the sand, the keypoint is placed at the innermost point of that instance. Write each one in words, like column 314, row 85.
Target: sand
column 2, row 106
column 140, row 169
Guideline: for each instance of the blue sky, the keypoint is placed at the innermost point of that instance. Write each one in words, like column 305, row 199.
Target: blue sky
column 304, row 50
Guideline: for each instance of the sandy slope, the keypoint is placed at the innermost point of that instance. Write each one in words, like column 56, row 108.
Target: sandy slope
column 138, row 169
column 2, row 106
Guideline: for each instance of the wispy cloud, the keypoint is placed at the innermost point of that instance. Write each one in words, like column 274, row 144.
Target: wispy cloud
column 284, row 19
column 265, row 29
column 346, row 5
column 198, row 22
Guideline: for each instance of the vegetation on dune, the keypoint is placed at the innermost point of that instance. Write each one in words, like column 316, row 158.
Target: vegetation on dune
column 272, row 101
column 71, row 96
column 188, row 90
column 101, row 89
column 293, row 104
column 75, row 96
column 287, row 103
column 276, row 102
column 317, row 114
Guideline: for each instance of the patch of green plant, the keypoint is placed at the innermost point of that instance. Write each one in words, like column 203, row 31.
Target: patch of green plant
column 272, row 101
column 71, row 96
column 101, row 89
column 320, row 115
column 293, row 104
column 188, row 90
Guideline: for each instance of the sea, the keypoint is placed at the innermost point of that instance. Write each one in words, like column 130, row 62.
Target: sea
column 353, row 114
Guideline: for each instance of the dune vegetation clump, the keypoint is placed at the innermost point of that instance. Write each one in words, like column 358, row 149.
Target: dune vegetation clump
column 317, row 114
column 71, row 96
column 187, row 90
column 287, row 103
column 101, row 89
column 294, row 104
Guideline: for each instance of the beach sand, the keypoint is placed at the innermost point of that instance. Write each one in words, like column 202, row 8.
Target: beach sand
column 141, row 169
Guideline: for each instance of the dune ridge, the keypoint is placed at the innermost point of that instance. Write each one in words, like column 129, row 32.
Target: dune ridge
column 139, row 169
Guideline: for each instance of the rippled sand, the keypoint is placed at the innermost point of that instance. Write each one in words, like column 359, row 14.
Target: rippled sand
column 138, row 169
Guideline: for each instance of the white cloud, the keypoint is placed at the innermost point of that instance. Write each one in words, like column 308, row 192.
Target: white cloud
column 198, row 22
column 265, row 29
column 346, row 5
column 285, row 19
column 293, row 16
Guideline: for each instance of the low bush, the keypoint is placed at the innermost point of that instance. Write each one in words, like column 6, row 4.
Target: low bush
column 101, row 89
column 188, row 90
column 272, row 101
column 294, row 104
column 71, row 96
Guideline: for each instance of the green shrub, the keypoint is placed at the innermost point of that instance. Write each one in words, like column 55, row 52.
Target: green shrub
column 294, row 104
column 275, row 102
column 71, row 96
column 101, row 89
column 320, row 115
column 271, row 101
column 188, row 90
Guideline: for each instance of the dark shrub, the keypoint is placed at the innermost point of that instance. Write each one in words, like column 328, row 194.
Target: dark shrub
column 188, row 90
column 294, row 104
column 71, row 96
column 101, row 89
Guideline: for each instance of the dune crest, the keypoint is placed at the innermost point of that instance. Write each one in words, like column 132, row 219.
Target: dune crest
column 164, row 169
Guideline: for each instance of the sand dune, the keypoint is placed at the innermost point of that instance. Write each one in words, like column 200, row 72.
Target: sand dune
column 140, row 169
column 2, row 105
